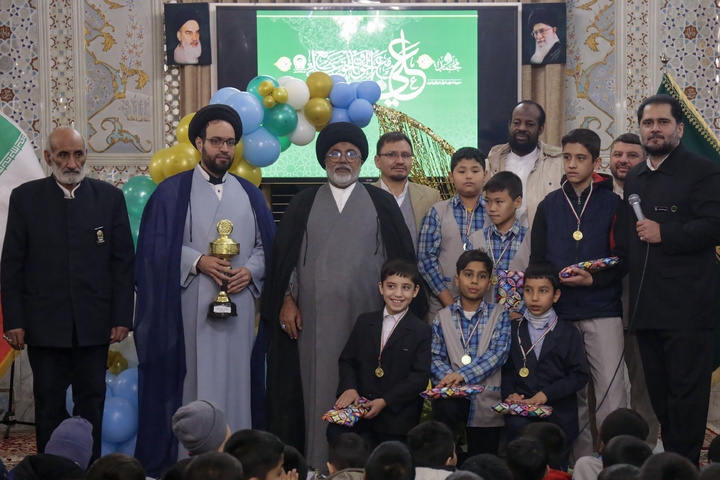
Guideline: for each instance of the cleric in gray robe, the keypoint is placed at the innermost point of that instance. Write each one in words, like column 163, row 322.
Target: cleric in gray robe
column 324, row 273
column 211, row 357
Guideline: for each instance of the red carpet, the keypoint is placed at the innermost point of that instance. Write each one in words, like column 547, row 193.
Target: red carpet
column 17, row 447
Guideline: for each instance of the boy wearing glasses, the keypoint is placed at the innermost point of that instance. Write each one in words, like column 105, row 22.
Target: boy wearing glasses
column 394, row 159
column 188, row 351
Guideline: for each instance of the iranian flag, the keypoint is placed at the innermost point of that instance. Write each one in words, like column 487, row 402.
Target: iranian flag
column 18, row 164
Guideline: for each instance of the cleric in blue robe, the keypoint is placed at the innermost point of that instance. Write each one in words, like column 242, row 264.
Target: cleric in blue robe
column 184, row 354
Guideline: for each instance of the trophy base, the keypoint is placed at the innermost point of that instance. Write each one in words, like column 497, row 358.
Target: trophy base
column 222, row 310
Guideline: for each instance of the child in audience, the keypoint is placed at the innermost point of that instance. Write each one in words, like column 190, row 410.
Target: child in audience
column 117, row 466
column 200, row 427
column 432, row 448
column 213, row 465
column 668, row 465
column 626, row 449
column 553, row 439
column 504, row 238
column 488, row 467
column 293, row 460
column 547, row 364
column 573, row 224
column 390, row 461
column 527, row 459
column 446, row 227
column 347, row 455
column 387, row 360
column 261, row 455
column 471, row 339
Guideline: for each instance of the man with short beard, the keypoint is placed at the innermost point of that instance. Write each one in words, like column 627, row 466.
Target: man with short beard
column 185, row 353
column 324, row 272
column 67, row 283
column 538, row 164
column 189, row 48
column 672, row 247
column 543, row 28
column 626, row 151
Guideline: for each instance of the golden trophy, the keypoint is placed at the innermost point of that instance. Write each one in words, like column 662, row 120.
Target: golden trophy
column 224, row 248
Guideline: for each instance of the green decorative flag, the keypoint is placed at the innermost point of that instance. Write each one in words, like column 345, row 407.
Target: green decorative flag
column 698, row 138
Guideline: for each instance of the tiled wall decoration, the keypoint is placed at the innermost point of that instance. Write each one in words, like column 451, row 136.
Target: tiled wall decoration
column 61, row 63
column 636, row 60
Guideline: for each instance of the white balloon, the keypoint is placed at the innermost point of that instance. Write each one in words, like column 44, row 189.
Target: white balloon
column 283, row 80
column 127, row 349
column 298, row 93
column 304, row 133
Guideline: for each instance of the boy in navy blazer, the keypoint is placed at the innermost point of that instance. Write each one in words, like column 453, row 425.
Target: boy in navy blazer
column 387, row 360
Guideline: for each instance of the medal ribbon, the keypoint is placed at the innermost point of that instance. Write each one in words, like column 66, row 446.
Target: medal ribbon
column 524, row 353
column 383, row 343
column 462, row 334
column 491, row 250
column 572, row 209
column 470, row 221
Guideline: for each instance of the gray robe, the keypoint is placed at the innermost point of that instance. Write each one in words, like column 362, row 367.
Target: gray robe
column 338, row 273
column 218, row 350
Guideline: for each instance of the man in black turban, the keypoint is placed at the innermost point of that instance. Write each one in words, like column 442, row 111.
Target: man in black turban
column 324, row 272
column 187, row 27
column 188, row 350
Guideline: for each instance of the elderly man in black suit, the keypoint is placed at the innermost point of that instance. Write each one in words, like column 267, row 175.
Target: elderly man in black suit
column 671, row 258
column 67, row 283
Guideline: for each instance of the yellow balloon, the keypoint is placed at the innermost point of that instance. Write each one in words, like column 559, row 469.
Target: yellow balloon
column 265, row 88
column 318, row 111
column 157, row 163
column 269, row 101
column 239, row 150
column 183, row 156
column 245, row 170
column 280, row 94
column 319, row 84
column 182, row 129
column 120, row 364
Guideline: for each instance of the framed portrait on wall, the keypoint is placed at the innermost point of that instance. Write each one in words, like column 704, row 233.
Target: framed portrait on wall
column 187, row 34
column 544, row 33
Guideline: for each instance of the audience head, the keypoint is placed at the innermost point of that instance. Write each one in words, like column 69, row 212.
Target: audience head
column 625, row 449
column 668, row 466
column 200, row 426
column 348, row 450
column 487, row 466
column 390, row 461
column 431, row 444
column 73, row 440
column 711, row 471
column 620, row 471
column 214, row 466
column 463, row 475
column 713, row 453
column 116, row 466
column 177, row 471
column 293, row 460
column 550, row 435
column 260, row 453
column 527, row 459
column 622, row 421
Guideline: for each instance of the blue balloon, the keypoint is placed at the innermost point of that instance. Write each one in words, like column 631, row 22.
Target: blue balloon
column 126, row 386
column 369, row 90
column 360, row 112
column 69, row 404
column 342, row 95
column 110, row 379
column 339, row 115
column 127, row 447
column 107, row 447
column 120, row 420
column 249, row 108
column 223, row 94
column 261, row 148
column 338, row 79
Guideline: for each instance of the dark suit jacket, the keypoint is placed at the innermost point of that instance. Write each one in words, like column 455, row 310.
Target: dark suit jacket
column 683, row 196
column 55, row 271
column 559, row 373
column 405, row 361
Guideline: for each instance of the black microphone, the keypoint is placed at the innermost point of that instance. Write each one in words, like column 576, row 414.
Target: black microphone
column 634, row 201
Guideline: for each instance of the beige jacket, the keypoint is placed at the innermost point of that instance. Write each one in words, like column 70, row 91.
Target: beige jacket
column 544, row 177
column 422, row 198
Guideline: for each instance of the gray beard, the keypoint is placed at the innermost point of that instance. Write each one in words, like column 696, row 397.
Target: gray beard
column 192, row 53
column 68, row 178
column 342, row 179
column 540, row 52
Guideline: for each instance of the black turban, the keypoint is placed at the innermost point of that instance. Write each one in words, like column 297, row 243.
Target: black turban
column 183, row 16
column 215, row 112
column 340, row 132
column 542, row 15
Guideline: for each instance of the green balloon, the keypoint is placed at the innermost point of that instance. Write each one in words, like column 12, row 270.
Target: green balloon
column 135, row 228
column 253, row 85
column 137, row 192
column 280, row 120
column 284, row 143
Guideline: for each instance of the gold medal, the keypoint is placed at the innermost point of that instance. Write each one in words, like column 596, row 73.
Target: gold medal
column 524, row 372
column 577, row 235
column 466, row 359
column 379, row 372
column 494, row 279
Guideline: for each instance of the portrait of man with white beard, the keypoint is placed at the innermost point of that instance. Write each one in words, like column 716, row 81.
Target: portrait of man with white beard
column 546, row 31
column 186, row 31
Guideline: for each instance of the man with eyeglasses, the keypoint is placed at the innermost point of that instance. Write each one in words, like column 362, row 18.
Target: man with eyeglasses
column 184, row 353
column 543, row 28
column 394, row 159
column 324, row 272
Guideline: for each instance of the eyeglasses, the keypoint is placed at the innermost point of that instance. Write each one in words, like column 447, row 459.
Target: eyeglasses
column 396, row 155
column 539, row 32
column 351, row 156
column 218, row 142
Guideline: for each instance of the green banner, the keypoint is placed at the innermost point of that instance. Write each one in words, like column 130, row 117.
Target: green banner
column 425, row 62
column 11, row 142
